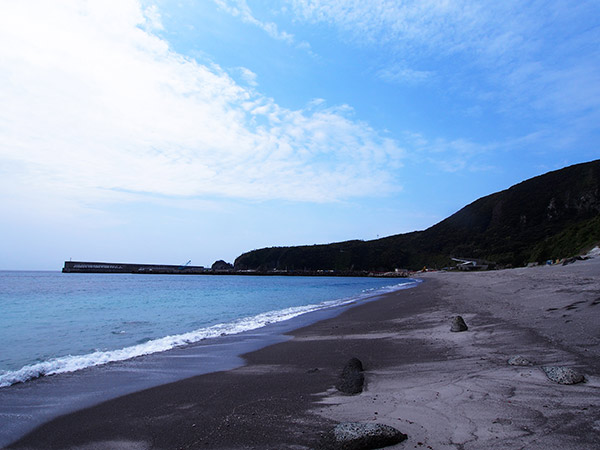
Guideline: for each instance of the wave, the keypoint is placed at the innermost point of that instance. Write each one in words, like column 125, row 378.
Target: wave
column 72, row 363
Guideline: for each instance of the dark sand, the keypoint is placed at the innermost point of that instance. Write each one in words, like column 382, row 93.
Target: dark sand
column 445, row 390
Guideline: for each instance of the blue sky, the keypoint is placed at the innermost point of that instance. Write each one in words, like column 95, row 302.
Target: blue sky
column 168, row 130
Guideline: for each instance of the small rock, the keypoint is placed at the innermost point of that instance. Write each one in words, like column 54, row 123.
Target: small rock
column 352, row 379
column 563, row 375
column 519, row 360
column 458, row 324
column 361, row 436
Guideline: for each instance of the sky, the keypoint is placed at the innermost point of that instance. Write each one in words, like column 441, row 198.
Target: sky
column 173, row 130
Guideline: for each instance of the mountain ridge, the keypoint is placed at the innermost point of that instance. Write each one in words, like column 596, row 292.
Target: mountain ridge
column 549, row 216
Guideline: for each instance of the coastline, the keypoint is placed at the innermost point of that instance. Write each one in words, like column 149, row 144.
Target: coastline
column 24, row 406
column 445, row 390
column 123, row 341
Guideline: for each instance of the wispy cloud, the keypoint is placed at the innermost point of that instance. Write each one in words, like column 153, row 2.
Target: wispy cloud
column 400, row 74
column 248, row 76
column 94, row 106
column 531, row 57
column 447, row 155
column 416, row 25
column 240, row 8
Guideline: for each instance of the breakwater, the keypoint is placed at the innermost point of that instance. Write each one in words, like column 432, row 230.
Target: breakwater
column 104, row 267
column 163, row 269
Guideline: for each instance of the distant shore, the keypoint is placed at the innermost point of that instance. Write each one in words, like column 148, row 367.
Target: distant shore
column 445, row 390
column 157, row 269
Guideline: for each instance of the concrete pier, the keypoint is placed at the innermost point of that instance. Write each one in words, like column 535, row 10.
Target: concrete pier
column 104, row 267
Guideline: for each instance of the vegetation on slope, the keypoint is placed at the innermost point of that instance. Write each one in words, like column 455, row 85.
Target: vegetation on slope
column 551, row 216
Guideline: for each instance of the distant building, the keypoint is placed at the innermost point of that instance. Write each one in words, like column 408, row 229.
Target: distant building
column 473, row 264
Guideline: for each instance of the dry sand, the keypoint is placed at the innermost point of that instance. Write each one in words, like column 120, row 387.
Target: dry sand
column 445, row 390
column 471, row 398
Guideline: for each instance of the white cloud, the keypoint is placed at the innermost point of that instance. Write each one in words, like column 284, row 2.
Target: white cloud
column 95, row 106
column 153, row 19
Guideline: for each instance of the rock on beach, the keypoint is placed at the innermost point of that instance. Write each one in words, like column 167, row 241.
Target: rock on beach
column 361, row 436
column 458, row 324
column 519, row 360
column 352, row 378
column 563, row 375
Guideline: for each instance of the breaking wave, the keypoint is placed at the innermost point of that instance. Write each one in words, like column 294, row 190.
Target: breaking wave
column 72, row 363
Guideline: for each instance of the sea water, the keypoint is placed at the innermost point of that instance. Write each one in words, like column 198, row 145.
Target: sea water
column 54, row 323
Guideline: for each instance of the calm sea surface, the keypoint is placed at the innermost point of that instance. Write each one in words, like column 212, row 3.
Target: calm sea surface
column 53, row 323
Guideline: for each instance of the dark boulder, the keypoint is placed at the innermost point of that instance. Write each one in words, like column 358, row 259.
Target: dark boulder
column 458, row 324
column 361, row 436
column 352, row 378
column 563, row 375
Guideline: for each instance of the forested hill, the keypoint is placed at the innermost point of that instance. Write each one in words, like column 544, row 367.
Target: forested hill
column 554, row 215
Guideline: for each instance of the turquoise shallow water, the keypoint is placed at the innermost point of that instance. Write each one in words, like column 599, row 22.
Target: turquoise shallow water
column 54, row 323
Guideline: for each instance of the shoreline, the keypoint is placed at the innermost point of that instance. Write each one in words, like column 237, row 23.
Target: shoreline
column 445, row 390
column 237, row 326
column 24, row 406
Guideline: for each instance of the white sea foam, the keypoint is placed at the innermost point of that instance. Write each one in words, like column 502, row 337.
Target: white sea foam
column 72, row 363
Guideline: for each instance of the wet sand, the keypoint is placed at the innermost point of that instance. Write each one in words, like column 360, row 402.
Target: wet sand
column 445, row 390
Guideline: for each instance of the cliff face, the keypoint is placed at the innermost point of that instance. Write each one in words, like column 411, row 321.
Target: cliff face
column 550, row 216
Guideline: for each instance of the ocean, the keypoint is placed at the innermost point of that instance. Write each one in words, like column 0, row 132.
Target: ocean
column 70, row 341
column 53, row 323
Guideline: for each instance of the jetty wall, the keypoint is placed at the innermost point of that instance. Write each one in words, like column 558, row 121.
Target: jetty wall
column 105, row 267
column 108, row 267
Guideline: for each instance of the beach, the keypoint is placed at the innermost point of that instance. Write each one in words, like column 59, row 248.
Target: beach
column 444, row 390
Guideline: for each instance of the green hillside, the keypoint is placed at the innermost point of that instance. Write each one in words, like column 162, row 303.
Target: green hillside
column 554, row 215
